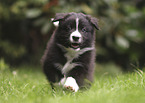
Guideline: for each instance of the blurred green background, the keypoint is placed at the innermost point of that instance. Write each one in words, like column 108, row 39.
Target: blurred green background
column 25, row 28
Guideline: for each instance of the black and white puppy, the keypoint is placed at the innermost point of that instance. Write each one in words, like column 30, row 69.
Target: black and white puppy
column 70, row 55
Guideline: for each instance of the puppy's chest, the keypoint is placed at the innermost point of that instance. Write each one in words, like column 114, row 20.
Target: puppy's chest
column 72, row 59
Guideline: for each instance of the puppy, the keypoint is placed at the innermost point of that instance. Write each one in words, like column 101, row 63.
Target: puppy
column 70, row 54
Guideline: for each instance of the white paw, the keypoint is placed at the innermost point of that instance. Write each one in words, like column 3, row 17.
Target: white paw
column 71, row 84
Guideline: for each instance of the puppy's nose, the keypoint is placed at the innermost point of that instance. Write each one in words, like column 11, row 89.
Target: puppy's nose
column 75, row 38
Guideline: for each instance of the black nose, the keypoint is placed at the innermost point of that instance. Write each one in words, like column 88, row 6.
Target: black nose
column 75, row 38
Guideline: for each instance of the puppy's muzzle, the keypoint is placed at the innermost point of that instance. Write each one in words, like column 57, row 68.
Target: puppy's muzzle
column 75, row 37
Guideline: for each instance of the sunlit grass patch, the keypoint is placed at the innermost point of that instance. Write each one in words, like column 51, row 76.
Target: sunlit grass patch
column 27, row 84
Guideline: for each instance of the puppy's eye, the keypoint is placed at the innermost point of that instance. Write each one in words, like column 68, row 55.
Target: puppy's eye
column 84, row 30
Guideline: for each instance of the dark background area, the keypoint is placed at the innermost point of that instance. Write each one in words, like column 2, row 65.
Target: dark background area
column 25, row 28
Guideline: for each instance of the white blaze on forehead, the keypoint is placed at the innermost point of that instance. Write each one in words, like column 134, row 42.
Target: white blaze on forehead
column 76, row 33
column 77, row 23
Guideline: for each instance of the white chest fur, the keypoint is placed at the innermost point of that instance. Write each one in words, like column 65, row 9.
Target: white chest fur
column 70, row 55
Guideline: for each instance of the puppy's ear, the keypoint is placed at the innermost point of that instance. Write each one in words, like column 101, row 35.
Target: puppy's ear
column 59, row 16
column 94, row 21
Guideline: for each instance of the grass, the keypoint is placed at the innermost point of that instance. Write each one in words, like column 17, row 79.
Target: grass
column 28, row 84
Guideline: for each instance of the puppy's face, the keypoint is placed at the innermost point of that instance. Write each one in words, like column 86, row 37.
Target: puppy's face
column 75, row 30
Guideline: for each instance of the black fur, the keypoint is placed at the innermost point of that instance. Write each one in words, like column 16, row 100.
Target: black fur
column 54, row 54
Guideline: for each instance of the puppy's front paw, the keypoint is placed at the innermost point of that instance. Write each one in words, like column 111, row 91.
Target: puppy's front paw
column 69, row 88
column 71, row 84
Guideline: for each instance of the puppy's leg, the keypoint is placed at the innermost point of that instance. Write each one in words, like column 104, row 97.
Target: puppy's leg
column 71, row 84
column 82, row 76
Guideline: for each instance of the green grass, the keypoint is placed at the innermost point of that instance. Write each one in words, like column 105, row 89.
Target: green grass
column 28, row 84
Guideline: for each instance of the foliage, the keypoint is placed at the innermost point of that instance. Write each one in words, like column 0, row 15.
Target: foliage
column 121, row 38
column 3, row 65
column 28, row 85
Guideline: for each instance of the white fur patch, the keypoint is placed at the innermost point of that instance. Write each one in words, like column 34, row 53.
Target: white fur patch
column 71, row 84
column 77, row 24
column 70, row 55
column 76, row 33
column 56, row 24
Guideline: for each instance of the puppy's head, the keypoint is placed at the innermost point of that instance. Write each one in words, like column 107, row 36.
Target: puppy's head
column 75, row 30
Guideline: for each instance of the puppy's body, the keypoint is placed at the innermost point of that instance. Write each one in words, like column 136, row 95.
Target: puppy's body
column 70, row 54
